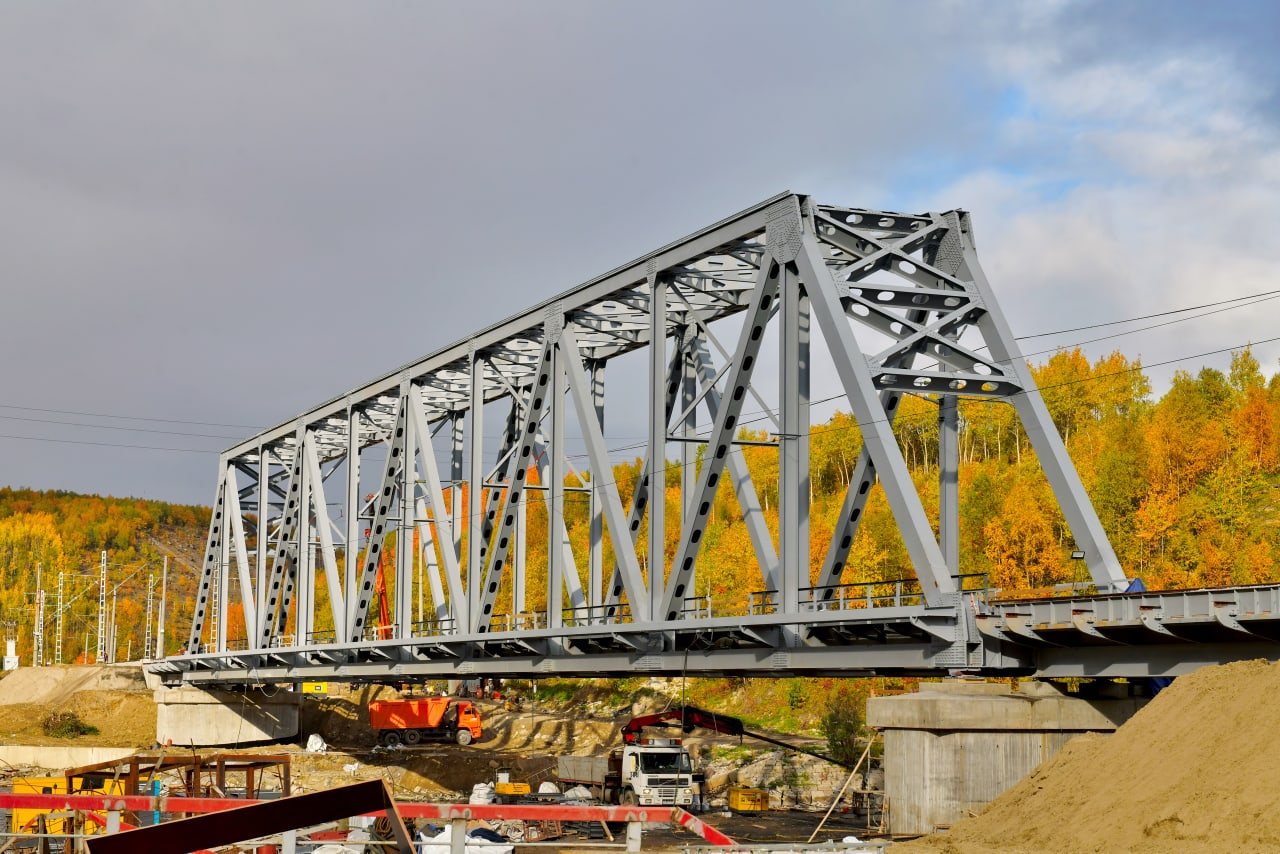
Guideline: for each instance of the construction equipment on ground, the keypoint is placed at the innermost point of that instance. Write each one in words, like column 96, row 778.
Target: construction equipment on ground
column 413, row 720
column 689, row 718
column 655, row 772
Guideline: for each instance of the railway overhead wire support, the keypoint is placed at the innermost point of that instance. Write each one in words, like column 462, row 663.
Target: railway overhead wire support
column 703, row 335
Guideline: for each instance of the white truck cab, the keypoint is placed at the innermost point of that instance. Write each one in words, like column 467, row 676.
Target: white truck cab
column 656, row 772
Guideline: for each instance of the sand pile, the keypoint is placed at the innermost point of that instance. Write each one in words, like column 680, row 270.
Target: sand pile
column 1197, row 769
column 56, row 684
column 115, row 699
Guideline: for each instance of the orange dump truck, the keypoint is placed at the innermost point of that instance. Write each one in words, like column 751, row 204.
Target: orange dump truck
column 415, row 720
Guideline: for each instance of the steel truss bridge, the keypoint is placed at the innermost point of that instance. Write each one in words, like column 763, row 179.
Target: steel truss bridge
column 715, row 328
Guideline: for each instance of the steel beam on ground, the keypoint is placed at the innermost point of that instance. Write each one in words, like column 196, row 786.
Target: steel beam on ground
column 253, row 821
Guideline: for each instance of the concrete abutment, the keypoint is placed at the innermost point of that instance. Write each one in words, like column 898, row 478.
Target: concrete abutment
column 955, row 746
column 193, row 716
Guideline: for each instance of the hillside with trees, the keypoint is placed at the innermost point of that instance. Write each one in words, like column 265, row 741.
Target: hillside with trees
column 1185, row 486
column 47, row 534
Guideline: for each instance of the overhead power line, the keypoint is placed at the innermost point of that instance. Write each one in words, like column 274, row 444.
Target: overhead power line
column 105, row 444
column 1258, row 296
column 1219, row 306
column 114, row 427
column 126, row 417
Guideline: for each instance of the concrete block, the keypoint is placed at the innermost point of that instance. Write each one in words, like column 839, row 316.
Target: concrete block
column 193, row 716
column 57, row 757
column 960, row 706
column 955, row 746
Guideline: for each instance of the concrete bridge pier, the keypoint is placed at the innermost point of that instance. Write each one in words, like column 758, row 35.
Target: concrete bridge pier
column 193, row 716
column 955, row 746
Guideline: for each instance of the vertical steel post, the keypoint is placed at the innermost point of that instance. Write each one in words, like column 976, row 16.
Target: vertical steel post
column 263, row 543
column 689, row 431
column 556, row 530
column 222, row 569
column 222, row 593
column 306, row 563
column 456, row 447
column 949, row 482
column 404, row 535
column 458, row 836
column 475, row 498
column 657, row 441
column 164, row 597
column 793, row 464
column 595, row 560
column 519, row 543
column 351, row 549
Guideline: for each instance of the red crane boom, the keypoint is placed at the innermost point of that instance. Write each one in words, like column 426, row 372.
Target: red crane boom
column 690, row 717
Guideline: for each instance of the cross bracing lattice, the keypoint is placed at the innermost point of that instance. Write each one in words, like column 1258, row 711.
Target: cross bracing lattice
column 724, row 328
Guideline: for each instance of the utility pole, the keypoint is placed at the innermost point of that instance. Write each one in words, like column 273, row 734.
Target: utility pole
column 58, row 656
column 164, row 592
column 102, row 611
column 151, row 596
column 37, row 631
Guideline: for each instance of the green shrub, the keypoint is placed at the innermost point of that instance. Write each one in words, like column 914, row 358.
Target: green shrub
column 66, row 725
column 841, row 726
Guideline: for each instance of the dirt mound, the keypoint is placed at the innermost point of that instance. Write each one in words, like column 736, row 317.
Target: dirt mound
column 114, row 699
column 123, row 719
column 55, row 685
column 1197, row 770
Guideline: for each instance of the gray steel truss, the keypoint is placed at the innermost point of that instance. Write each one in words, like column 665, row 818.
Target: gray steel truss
column 901, row 306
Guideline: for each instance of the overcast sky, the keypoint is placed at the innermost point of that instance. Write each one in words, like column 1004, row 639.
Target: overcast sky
column 216, row 216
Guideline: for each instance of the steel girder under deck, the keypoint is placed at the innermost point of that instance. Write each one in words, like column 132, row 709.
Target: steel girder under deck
column 727, row 320
column 1133, row 635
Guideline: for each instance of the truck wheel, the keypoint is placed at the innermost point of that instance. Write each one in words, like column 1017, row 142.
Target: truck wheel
column 464, row 737
column 627, row 798
column 391, row 738
column 412, row 736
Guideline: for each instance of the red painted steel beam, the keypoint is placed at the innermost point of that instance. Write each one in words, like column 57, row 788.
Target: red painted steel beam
column 132, row 803
column 439, row 812
column 692, row 823
column 568, row 812
column 535, row 812
column 264, row 818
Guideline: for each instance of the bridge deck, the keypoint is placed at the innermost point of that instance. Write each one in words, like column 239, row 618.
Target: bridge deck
column 1164, row 633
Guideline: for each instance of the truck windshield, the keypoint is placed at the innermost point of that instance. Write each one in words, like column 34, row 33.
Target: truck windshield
column 675, row 762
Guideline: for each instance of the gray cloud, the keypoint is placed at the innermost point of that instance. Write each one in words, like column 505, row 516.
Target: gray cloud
column 228, row 213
